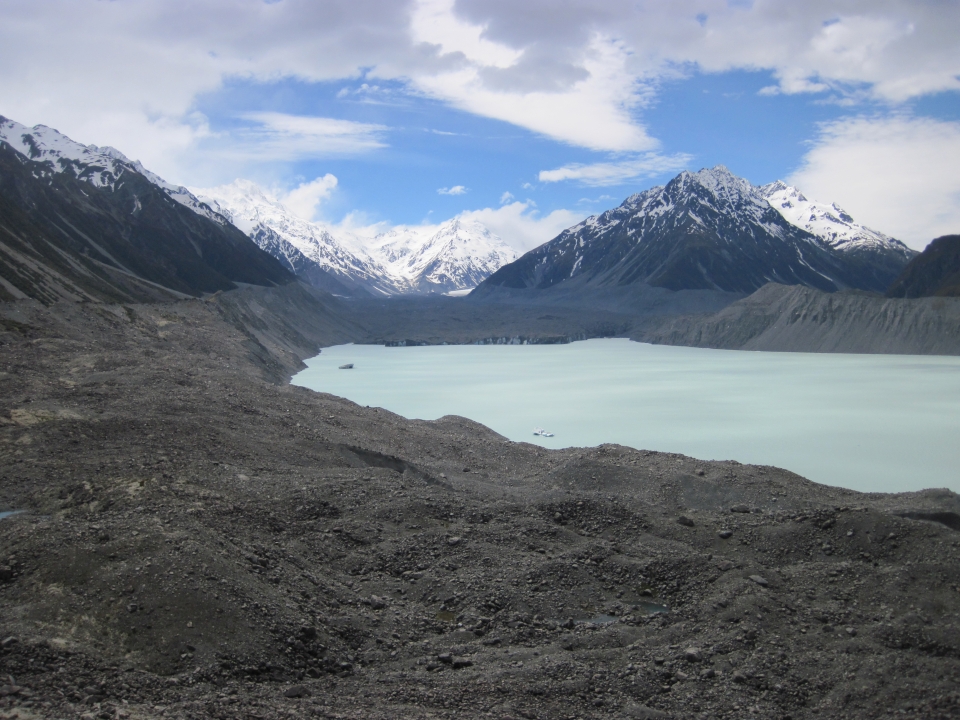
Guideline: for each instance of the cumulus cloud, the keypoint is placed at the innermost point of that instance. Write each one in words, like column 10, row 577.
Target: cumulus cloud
column 455, row 190
column 899, row 48
column 521, row 226
column 895, row 174
column 506, row 197
column 580, row 72
column 583, row 95
column 305, row 199
column 619, row 172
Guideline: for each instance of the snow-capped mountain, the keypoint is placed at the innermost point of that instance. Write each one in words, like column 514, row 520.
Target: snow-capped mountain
column 306, row 248
column 457, row 255
column 829, row 222
column 99, row 166
column 86, row 223
column 876, row 253
column 707, row 230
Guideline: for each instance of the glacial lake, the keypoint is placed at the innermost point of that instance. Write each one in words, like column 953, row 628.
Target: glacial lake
column 875, row 423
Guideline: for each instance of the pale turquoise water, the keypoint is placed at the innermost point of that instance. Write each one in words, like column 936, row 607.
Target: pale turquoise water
column 868, row 422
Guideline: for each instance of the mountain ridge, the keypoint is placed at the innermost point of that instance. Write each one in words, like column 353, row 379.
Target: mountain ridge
column 455, row 255
column 704, row 230
column 105, row 231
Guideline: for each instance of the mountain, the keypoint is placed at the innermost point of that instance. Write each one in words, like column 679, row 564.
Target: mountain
column 457, row 255
column 876, row 252
column 934, row 272
column 305, row 248
column 102, row 167
column 81, row 222
column 708, row 230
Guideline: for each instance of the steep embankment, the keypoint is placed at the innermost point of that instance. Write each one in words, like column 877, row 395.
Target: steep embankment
column 799, row 319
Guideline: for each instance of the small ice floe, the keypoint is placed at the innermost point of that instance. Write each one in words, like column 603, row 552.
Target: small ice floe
column 542, row 433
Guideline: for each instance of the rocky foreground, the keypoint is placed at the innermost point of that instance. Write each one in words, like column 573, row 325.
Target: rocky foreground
column 200, row 539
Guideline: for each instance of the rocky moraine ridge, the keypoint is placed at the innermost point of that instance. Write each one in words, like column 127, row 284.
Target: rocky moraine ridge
column 200, row 539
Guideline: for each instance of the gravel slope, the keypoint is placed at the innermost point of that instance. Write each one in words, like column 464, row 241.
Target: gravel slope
column 799, row 319
column 201, row 539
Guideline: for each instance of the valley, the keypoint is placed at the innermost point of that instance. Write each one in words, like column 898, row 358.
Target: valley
column 184, row 533
column 201, row 539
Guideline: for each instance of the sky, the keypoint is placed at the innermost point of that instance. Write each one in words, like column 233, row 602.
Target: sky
column 527, row 115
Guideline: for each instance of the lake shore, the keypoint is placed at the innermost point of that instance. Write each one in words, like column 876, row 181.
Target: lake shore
column 873, row 423
column 203, row 539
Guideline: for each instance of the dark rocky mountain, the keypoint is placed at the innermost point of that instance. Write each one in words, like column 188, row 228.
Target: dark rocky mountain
column 709, row 230
column 934, row 272
column 71, row 229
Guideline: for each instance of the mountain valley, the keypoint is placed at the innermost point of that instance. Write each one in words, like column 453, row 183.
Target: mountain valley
column 198, row 538
column 185, row 534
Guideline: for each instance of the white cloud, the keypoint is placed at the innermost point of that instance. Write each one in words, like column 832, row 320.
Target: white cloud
column 580, row 72
column 455, row 190
column 506, row 197
column 277, row 136
column 617, row 173
column 521, row 226
column 895, row 174
column 588, row 103
column 306, row 198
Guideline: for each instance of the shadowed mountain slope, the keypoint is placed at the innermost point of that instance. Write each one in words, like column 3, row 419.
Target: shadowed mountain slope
column 62, row 236
column 936, row 271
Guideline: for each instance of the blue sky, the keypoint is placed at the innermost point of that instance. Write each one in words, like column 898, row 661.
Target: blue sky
column 526, row 115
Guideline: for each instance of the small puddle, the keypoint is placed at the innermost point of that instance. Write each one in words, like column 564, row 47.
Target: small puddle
column 8, row 513
column 647, row 608
column 652, row 608
column 598, row 620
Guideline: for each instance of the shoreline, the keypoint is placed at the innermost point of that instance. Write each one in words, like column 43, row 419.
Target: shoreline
column 864, row 422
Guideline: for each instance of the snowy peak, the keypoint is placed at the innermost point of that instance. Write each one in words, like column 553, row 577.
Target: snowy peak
column 706, row 230
column 699, row 198
column 292, row 239
column 828, row 221
column 242, row 202
column 458, row 255
column 718, row 182
column 102, row 167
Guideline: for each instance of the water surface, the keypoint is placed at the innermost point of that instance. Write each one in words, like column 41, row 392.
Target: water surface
column 869, row 422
